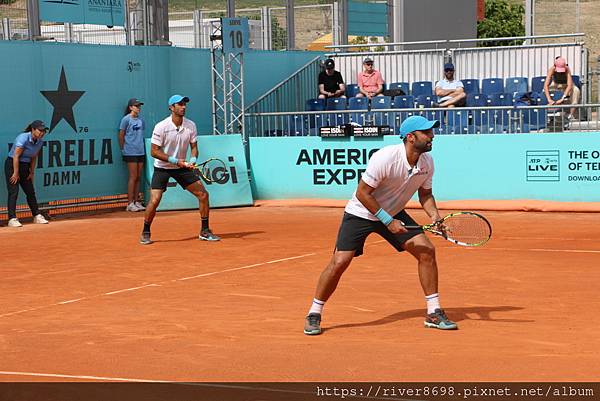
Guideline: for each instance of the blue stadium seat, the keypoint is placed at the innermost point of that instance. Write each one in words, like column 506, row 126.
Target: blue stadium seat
column 576, row 81
column 400, row 85
column 403, row 102
column 500, row 99
column 421, row 88
column 458, row 121
column 540, row 98
column 424, row 100
column 515, row 84
column 358, row 103
column 315, row 105
column 477, row 100
column 471, row 85
column 492, row 85
column 537, row 84
column 336, row 103
column 381, row 102
column 314, row 121
column 351, row 90
column 535, row 119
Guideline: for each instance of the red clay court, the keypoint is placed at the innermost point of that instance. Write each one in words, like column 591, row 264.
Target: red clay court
column 81, row 299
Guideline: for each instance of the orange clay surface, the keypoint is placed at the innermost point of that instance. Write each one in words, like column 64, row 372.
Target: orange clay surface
column 81, row 299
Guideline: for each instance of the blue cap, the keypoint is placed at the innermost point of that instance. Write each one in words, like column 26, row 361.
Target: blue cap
column 417, row 123
column 448, row 66
column 178, row 98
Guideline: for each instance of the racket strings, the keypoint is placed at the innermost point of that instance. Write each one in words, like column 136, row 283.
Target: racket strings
column 215, row 170
column 467, row 228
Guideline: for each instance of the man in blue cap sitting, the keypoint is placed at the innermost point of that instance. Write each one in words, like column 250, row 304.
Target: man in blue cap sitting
column 393, row 175
column 450, row 91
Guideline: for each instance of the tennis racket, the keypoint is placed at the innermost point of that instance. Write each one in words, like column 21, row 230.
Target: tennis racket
column 461, row 228
column 212, row 170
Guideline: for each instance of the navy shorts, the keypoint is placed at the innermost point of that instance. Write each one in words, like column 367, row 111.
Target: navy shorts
column 183, row 176
column 354, row 231
column 134, row 159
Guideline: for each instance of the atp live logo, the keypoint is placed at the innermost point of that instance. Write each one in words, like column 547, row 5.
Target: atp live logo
column 543, row 165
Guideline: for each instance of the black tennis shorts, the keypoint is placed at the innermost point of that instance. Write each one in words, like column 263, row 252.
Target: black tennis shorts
column 183, row 176
column 354, row 231
column 134, row 159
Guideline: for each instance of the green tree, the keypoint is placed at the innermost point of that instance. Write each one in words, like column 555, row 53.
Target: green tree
column 502, row 19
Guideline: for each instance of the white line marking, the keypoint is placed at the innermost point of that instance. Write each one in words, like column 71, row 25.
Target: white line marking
column 71, row 301
column 131, row 289
column 115, row 379
column 156, row 284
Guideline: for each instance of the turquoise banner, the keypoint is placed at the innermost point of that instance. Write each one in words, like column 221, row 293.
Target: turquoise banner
column 235, row 191
column 554, row 167
column 100, row 12
column 81, row 91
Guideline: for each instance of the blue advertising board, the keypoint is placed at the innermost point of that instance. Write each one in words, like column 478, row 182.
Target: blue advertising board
column 553, row 167
column 234, row 191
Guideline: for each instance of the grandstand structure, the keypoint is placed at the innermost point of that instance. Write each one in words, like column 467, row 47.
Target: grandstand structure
column 495, row 78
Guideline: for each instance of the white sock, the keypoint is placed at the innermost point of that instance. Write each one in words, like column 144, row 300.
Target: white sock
column 316, row 307
column 433, row 302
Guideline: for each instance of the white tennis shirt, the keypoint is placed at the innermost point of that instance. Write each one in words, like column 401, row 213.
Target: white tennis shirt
column 173, row 141
column 395, row 182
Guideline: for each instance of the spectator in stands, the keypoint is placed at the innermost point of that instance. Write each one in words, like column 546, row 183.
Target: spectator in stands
column 331, row 83
column 19, row 169
column 370, row 82
column 450, row 91
column 559, row 78
column 131, row 141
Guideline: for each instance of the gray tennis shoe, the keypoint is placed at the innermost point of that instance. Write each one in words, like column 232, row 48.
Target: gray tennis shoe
column 145, row 238
column 312, row 325
column 207, row 235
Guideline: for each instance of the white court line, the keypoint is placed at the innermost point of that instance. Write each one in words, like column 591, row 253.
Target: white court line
column 114, row 379
column 156, row 284
column 131, row 289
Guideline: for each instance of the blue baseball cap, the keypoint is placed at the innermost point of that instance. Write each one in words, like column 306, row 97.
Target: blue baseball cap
column 449, row 66
column 417, row 123
column 178, row 98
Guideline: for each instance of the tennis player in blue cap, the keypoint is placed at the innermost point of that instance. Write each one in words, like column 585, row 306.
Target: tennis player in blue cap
column 393, row 175
column 171, row 138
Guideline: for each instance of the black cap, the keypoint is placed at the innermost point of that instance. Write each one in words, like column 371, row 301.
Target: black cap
column 134, row 102
column 329, row 63
column 38, row 124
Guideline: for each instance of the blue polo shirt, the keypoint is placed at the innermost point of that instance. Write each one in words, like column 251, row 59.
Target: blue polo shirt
column 30, row 148
column 134, row 135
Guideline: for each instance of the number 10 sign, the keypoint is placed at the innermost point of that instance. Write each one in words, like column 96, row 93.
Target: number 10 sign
column 235, row 34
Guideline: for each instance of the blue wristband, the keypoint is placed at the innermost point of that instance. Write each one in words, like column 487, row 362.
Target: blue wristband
column 384, row 217
column 193, row 160
column 173, row 160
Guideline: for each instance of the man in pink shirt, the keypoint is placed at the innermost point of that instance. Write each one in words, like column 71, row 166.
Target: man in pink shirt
column 370, row 82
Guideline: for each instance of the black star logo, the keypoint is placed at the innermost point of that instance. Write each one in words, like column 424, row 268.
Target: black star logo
column 63, row 101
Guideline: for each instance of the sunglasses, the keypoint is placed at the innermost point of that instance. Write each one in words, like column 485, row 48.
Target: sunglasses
column 368, row 63
column 449, row 70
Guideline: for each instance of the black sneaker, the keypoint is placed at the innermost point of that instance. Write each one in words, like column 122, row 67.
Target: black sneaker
column 439, row 320
column 312, row 325
column 145, row 238
column 207, row 235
